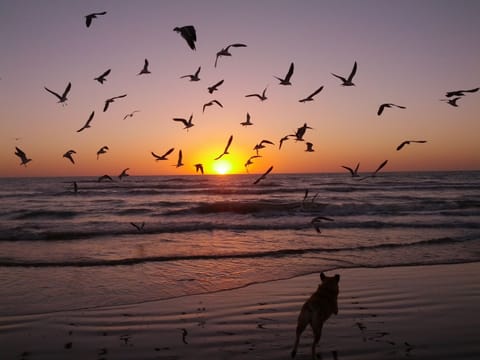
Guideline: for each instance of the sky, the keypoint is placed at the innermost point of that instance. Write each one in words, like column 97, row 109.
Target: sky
column 409, row 53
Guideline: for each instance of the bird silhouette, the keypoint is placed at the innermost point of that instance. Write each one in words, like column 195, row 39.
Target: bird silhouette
column 188, row 123
column 247, row 122
column 102, row 150
column 286, row 80
column 225, row 52
column 164, row 156
column 285, row 138
column 309, row 147
column 87, row 124
column 69, row 155
column 317, row 220
column 199, row 167
column 23, row 157
column 263, row 176
column 131, row 114
column 214, row 87
column 104, row 178
column 353, row 172
column 140, row 227
column 123, row 173
column 102, row 78
column 262, row 96
column 310, row 97
column 250, row 162
column 193, row 77
column 111, row 100
column 225, row 151
column 189, row 34
column 90, row 17
column 460, row 92
column 301, row 132
column 380, row 167
column 406, row 142
column 145, row 68
column 388, row 105
column 210, row 103
column 261, row 145
column 61, row 98
column 179, row 160
column 348, row 81
column 453, row 101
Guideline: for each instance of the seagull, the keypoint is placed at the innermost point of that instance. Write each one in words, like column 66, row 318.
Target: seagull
column 247, row 122
column 188, row 124
column 250, row 162
column 123, row 173
column 189, row 34
column 138, row 227
column 353, row 172
column 131, row 114
column 104, row 177
column 388, row 105
column 22, row 156
column 184, row 336
column 376, row 171
column 399, row 147
column 145, row 68
column 285, row 138
column 286, row 81
column 453, row 101
column 213, row 88
column 111, row 100
column 103, row 150
column 199, row 167
column 261, row 145
column 310, row 97
column 90, row 17
column 87, row 124
column 316, row 222
column 225, row 52
column 301, row 132
column 102, row 78
column 262, row 97
column 263, row 176
column 68, row 155
column 164, row 156
column 225, row 152
column 193, row 77
column 61, row 98
column 210, row 103
column 460, row 92
column 309, row 147
column 179, row 161
column 348, row 82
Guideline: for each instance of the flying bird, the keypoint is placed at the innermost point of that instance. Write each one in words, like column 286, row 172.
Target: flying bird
column 309, row 147
column 286, row 80
column 262, row 177
column 23, row 157
column 199, row 167
column 104, row 178
column 376, row 171
column 61, row 98
column 102, row 78
column 111, row 100
column 225, row 52
column 179, row 161
column 87, row 124
column 453, row 101
column 460, row 92
column 399, row 147
column 225, row 152
column 348, row 81
column 188, row 123
column 317, row 220
column 189, row 34
column 301, row 132
column 261, row 145
column 124, row 173
column 145, row 68
column 250, row 162
column 388, row 105
column 285, row 138
column 310, row 97
column 353, row 172
column 214, row 87
column 193, row 77
column 138, row 227
column 164, row 156
column 102, row 150
column 247, row 122
column 262, row 96
column 210, row 103
column 131, row 114
column 69, row 155
column 90, row 17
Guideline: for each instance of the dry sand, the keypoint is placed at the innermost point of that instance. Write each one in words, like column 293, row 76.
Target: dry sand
column 417, row 312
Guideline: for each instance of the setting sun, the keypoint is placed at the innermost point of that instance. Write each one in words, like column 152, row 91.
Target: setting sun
column 222, row 166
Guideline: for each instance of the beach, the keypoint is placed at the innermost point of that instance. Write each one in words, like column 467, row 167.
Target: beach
column 418, row 312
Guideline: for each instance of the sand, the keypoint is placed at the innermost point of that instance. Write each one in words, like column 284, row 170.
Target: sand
column 417, row 312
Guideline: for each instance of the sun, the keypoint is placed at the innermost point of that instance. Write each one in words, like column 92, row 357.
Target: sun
column 222, row 166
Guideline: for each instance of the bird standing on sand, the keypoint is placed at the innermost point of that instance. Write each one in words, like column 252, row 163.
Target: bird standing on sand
column 247, row 122
column 310, row 97
column 263, row 176
column 214, row 87
column 90, row 17
column 111, row 100
column 262, row 96
column 61, row 98
column 193, row 77
column 189, row 34
column 102, row 78
column 102, row 150
column 188, row 123
column 69, row 155
column 353, row 172
column 164, row 156
column 225, row 151
column 286, row 80
column 406, row 142
column 23, row 157
column 87, row 124
column 348, row 81
column 225, row 52
column 388, row 105
column 123, row 173
column 210, row 103
column 145, row 68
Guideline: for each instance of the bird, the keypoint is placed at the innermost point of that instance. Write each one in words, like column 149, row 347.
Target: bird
column 193, row 77
column 69, row 155
column 316, row 222
column 262, row 97
column 310, row 97
column 188, row 123
column 145, row 68
column 353, row 172
column 309, row 147
column 388, row 105
column 214, row 87
column 87, row 124
column 225, row 151
column 61, row 98
column 164, row 156
column 376, row 171
column 111, row 100
column 285, row 138
column 23, row 157
column 250, row 162
column 102, row 150
column 102, row 78
column 189, row 33
column 286, row 80
column 453, row 101
column 348, row 81
column 263, row 176
column 90, row 17
column 184, row 336
column 210, row 103
column 225, row 52
column 406, row 142
column 301, row 132
column 131, row 114
column 460, row 92
column 138, row 227
column 104, row 178
column 199, row 167
column 123, row 173
column 247, row 122
column 179, row 161
column 261, row 145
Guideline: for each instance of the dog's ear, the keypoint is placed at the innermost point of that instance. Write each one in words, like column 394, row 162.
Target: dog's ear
column 337, row 278
column 322, row 276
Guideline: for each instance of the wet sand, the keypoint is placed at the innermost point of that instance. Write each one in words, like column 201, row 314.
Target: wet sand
column 418, row 312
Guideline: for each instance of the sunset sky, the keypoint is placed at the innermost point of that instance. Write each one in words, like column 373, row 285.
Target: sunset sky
column 408, row 52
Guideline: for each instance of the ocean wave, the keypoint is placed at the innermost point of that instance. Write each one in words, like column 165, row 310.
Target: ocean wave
column 43, row 214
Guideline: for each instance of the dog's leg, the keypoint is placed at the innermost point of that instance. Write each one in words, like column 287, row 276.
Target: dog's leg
column 302, row 322
column 317, row 333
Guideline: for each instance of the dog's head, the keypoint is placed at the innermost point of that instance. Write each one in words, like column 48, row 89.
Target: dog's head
column 330, row 282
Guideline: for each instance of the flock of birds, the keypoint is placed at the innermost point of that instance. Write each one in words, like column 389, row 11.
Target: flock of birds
column 188, row 33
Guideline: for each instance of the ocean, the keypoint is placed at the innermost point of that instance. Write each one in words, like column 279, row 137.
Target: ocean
column 61, row 250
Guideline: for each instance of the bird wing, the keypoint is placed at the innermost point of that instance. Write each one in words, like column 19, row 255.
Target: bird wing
column 67, row 89
column 263, row 176
column 315, row 92
column 168, row 152
column 289, row 73
column 228, row 144
column 218, row 103
column 380, row 109
column 53, row 92
column 340, row 77
column 185, row 122
column 354, row 70
column 399, row 147
column 349, row 169
column 381, row 166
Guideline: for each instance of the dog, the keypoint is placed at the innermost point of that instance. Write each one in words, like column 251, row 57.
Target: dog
column 317, row 309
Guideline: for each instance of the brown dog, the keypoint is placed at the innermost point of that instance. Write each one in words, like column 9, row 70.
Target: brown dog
column 317, row 309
